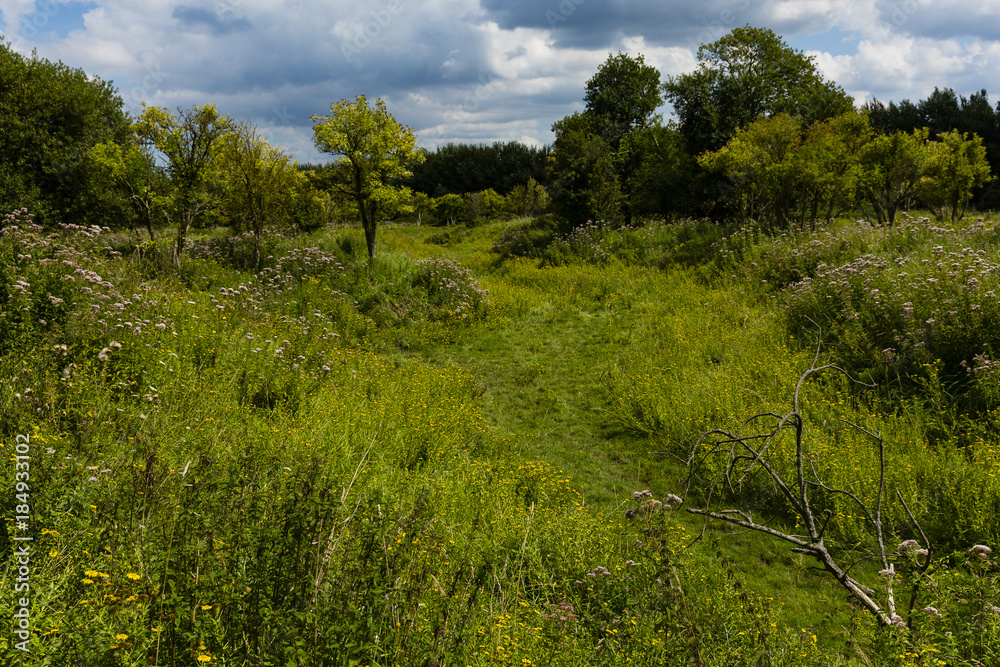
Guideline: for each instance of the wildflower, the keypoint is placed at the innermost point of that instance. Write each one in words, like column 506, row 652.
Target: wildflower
column 932, row 610
column 115, row 345
column 672, row 500
column 886, row 574
column 898, row 621
column 133, row 576
column 639, row 495
column 981, row 550
column 121, row 637
column 102, row 356
column 908, row 547
column 92, row 479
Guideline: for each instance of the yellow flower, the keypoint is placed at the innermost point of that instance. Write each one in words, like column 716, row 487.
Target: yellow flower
column 88, row 581
column 53, row 553
column 204, row 658
column 121, row 637
column 206, row 607
column 92, row 573
column 46, row 531
column 133, row 576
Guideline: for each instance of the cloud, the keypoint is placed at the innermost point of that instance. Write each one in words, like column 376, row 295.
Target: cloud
column 482, row 70
column 215, row 22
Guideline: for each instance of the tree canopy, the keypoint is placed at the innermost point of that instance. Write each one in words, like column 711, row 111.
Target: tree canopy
column 51, row 117
column 622, row 96
column 747, row 74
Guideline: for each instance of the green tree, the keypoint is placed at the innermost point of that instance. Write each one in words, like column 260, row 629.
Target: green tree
column 746, row 74
column 762, row 167
column 51, row 117
column 829, row 163
column 189, row 141
column 259, row 182
column 420, row 203
column 449, row 208
column 373, row 152
column 953, row 167
column 891, row 166
column 132, row 168
column 664, row 178
column 528, row 200
column 622, row 96
column 585, row 185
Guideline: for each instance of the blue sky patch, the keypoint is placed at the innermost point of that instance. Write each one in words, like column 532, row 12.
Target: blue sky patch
column 51, row 21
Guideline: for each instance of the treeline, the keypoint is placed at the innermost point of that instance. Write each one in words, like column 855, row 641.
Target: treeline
column 69, row 153
column 760, row 135
column 944, row 111
column 462, row 168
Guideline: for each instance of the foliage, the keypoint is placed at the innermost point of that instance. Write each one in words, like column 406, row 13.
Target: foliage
column 592, row 179
column 527, row 200
column 132, row 168
column 448, row 209
column 189, row 141
column 764, row 174
column 585, row 185
column 955, row 167
column 622, row 96
column 746, row 74
column 259, row 182
column 462, row 168
column 51, row 117
column 891, row 168
column 664, row 177
column 374, row 151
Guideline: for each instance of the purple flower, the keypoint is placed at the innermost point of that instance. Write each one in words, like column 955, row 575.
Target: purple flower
column 672, row 500
column 932, row 610
column 908, row 547
column 981, row 550
column 92, row 479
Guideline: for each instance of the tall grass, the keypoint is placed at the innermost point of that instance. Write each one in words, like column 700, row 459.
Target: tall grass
column 292, row 466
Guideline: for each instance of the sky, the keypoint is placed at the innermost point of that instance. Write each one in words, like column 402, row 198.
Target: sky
column 478, row 71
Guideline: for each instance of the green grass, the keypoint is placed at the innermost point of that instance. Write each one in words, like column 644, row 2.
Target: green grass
column 327, row 464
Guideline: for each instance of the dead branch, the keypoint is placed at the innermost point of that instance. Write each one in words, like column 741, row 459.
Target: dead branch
column 749, row 454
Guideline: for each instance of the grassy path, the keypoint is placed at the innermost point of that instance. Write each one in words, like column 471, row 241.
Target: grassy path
column 540, row 367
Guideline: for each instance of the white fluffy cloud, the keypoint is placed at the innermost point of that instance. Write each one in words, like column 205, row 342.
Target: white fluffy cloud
column 476, row 70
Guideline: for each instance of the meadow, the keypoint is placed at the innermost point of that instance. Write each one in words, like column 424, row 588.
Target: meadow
column 481, row 450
